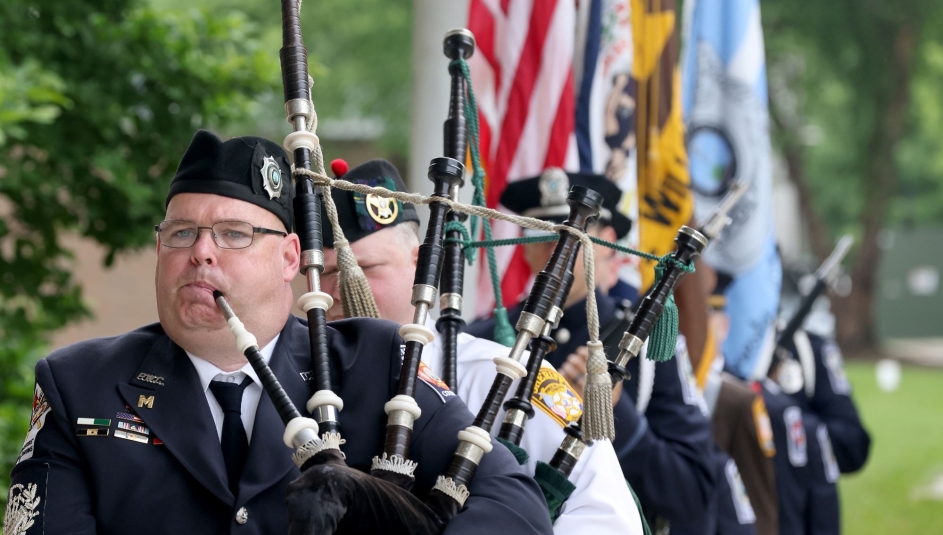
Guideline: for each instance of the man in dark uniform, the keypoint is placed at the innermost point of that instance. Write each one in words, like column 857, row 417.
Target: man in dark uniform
column 663, row 437
column 838, row 442
column 134, row 433
column 827, row 393
column 806, row 467
column 805, row 480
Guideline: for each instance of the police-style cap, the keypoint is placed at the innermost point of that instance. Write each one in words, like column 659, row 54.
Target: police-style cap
column 544, row 197
column 361, row 215
column 249, row 169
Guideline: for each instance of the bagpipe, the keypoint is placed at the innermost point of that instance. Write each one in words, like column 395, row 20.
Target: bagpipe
column 783, row 369
column 553, row 476
column 329, row 496
column 519, row 409
column 540, row 305
column 459, row 43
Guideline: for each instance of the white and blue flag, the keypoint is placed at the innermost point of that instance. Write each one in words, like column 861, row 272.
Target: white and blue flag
column 727, row 122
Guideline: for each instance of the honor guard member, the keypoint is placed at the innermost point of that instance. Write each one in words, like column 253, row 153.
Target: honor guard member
column 808, row 501
column 806, row 472
column 827, row 392
column 740, row 422
column 663, row 437
column 838, row 442
column 166, row 429
column 384, row 235
column 804, row 507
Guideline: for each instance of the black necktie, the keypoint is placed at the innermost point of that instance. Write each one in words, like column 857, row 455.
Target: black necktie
column 234, row 441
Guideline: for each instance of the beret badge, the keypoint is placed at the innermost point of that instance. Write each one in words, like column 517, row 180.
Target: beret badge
column 272, row 179
column 381, row 209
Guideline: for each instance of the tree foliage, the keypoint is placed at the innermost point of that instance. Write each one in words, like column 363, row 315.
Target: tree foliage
column 360, row 57
column 853, row 95
column 98, row 100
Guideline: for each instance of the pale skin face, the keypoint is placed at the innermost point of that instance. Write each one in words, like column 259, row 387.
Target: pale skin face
column 255, row 280
column 537, row 254
column 606, row 274
column 388, row 259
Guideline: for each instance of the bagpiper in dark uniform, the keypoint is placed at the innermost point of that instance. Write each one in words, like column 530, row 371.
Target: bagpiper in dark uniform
column 837, row 440
column 131, row 433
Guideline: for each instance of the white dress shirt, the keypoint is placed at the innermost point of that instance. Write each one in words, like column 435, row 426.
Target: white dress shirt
column 250, row 396
column 602, row 502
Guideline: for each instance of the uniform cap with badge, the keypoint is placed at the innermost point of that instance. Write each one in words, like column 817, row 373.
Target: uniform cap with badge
column 361, row 215
column 544, row 197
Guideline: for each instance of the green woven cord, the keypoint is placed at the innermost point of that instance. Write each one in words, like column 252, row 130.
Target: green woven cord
column 664, row 335
column 503, row 332
column 519, row 453
column 557, row 488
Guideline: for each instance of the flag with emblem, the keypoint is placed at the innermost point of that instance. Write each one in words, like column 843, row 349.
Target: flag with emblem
column 727, row 120
column 665, row 200
column 523, row 79
column 606, row 96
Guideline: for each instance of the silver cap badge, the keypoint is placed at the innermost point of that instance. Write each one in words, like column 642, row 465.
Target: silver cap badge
column 272, row 178
column 554, row 185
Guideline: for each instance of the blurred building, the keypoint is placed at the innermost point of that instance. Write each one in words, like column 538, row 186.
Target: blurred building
column 909, row 300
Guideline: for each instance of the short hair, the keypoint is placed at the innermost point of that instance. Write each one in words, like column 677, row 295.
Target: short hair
column 408, row 233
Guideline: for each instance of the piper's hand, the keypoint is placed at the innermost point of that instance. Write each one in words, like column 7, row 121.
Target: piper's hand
column 574, row 370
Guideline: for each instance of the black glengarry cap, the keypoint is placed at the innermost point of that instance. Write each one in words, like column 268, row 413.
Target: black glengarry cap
column 250, row 169
column 361, row 215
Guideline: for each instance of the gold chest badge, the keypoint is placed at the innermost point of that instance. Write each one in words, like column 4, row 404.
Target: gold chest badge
column 383, row 210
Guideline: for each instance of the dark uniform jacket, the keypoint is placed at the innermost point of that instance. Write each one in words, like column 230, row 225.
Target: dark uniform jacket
column 666, row 453
column 732, row 513
column 175, row 480
column 835, row 438
column 828, row 395
column 806, row 472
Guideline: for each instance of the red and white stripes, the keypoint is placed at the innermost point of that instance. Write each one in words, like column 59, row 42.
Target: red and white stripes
column 523, row 81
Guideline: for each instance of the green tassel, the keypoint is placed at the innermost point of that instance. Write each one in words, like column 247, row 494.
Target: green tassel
column 664, row 336
column 503, row 332
column 519, row 453
column 557, row 488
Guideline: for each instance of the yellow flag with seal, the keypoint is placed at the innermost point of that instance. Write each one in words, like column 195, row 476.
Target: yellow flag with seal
column 664, row 185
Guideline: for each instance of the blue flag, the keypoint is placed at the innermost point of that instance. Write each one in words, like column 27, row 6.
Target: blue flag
column 727, row 122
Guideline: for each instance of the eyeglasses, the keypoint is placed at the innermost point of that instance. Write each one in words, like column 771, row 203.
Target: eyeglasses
column 227, row 234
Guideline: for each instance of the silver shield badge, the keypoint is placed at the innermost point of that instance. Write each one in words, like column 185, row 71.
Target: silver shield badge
column 271, row 177
column 554, row 185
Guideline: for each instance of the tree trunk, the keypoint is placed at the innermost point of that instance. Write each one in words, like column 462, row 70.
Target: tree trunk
column 793, row 152
column 855, row 327
column 820, row 235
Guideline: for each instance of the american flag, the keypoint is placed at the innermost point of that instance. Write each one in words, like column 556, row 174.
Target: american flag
column 523, row 79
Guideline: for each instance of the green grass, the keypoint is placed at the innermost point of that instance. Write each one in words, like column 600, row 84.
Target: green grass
column 906, row 429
